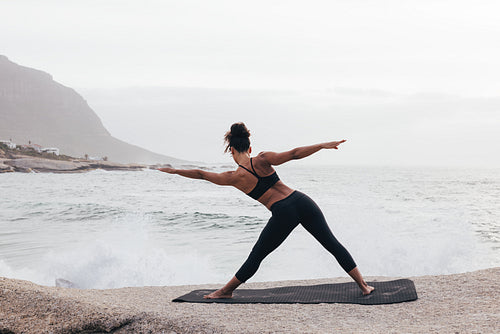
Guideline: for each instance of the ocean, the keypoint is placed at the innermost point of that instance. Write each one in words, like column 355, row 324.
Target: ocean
column 115, row 229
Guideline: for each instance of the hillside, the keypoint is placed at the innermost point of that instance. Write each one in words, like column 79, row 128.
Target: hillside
column 34, row 107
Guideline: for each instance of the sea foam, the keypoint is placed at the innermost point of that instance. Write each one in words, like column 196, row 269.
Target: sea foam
column 123, row 255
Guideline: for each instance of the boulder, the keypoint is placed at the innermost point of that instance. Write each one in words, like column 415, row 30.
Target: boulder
column 5, row 168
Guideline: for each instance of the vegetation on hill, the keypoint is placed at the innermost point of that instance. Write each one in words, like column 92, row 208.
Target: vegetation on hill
column 11, row 153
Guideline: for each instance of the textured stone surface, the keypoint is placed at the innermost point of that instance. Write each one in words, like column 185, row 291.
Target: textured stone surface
column 459, row 303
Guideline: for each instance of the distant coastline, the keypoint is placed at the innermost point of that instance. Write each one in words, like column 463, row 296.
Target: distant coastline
column 27, row 160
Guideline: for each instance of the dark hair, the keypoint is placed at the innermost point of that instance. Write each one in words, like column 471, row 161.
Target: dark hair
column 237, row 137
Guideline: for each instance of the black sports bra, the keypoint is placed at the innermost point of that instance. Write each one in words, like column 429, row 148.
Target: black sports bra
column 263, row 183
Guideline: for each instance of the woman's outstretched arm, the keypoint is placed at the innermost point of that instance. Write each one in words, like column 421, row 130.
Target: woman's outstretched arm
column 222, row 179
column 275, row 159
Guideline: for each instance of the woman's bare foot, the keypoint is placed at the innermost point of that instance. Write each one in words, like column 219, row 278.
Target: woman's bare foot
column 367, row 289
column 356, row 275
column 219, row 294
column 226, row 291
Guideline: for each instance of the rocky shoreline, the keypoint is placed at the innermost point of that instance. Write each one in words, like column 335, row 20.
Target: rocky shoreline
column 458, row 303
column 29, row 164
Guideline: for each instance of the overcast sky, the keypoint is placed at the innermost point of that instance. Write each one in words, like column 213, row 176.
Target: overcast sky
column 387, row 57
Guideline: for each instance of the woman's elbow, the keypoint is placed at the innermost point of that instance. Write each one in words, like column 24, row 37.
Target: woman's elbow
column 201, row 175
column 295, row 154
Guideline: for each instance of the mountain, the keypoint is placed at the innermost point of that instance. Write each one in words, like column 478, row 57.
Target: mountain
column 34, row 107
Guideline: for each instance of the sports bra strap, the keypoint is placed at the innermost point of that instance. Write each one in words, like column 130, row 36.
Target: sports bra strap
column 248, row 170
column 251, row 164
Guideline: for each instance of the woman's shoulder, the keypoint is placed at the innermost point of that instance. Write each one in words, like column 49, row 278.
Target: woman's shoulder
column 261, row 160
column 261, row 156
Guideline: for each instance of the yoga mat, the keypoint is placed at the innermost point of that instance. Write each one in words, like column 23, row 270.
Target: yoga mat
column 388, row 292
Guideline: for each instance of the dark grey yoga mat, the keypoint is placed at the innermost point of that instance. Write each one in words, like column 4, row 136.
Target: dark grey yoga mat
column 388, row 292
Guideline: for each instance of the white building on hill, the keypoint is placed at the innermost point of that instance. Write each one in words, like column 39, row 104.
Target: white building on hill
column 34, row 147
column 53, row 150
column 8, row 143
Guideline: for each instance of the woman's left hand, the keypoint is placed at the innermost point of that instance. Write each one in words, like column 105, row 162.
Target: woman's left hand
column 333, row 144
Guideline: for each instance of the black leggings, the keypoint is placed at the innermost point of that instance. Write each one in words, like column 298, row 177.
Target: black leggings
column 286, row 215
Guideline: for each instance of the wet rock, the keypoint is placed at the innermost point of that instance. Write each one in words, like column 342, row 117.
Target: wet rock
column 63, row 283
column 5, row 168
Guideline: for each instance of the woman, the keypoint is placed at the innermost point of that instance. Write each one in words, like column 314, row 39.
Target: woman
column 257, row 178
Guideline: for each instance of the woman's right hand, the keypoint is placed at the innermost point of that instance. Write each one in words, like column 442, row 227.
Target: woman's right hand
column 167, row 170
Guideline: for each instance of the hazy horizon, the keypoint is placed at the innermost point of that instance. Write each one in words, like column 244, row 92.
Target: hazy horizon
column 406, row 83
column 415, row 130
